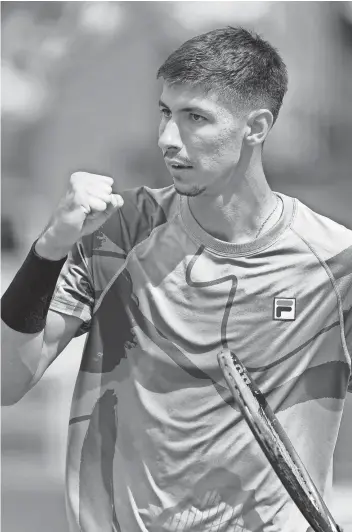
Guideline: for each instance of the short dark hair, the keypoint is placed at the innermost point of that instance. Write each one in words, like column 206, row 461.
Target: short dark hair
column 235, row 62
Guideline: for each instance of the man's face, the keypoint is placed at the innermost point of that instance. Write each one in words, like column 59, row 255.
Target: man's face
column 200, row 137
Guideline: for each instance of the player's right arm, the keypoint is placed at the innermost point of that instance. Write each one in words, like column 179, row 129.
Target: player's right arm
column 25, row 357
column 33, row 335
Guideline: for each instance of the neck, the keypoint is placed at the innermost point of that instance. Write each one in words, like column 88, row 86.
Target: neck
column 241, row 211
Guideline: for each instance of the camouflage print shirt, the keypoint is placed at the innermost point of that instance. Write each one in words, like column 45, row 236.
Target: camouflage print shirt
column 156, row 442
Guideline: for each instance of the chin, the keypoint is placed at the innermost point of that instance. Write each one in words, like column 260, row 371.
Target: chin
column 190, row 190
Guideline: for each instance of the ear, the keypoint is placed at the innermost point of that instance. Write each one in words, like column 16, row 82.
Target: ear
column 259, row 123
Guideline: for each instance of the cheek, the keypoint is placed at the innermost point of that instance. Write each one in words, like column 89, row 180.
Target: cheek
column 223, row 150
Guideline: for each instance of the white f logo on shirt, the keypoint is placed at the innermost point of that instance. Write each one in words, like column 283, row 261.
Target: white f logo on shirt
column 284, row 308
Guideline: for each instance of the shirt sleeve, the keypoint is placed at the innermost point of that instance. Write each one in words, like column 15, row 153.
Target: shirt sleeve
column 345, row 288
column 348, row 319
column 94, row 260
column 347, row 315
column 74, row 293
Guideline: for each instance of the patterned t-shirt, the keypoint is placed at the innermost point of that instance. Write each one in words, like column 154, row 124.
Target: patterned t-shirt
column 156, row 442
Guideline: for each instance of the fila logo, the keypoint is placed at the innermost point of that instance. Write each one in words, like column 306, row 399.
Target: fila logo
column 284, row 308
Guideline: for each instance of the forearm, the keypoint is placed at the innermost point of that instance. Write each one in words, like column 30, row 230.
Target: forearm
column 24, row 309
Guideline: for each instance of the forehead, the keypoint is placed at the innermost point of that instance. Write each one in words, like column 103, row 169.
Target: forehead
column 180, row 96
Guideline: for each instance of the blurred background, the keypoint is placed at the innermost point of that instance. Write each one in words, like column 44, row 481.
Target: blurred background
column 79, row 93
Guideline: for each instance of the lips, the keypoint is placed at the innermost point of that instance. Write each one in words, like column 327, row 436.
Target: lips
column 180, row 166
column 177, row 165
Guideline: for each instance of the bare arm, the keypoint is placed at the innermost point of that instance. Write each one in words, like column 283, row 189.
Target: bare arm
column 25, row 357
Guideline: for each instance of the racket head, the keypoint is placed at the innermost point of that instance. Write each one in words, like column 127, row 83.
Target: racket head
column 275, row 443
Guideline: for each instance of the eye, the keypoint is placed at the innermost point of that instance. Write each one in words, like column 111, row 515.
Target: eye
column 165, row 112
column 197, row 118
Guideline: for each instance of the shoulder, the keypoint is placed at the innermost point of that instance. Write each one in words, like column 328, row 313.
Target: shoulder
column 325, row 236
column 148, row 201
column 143, row 210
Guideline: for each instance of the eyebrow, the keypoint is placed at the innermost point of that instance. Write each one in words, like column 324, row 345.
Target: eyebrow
column 193, row 108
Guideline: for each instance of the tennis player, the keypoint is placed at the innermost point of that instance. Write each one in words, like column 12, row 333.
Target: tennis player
column 161, row 280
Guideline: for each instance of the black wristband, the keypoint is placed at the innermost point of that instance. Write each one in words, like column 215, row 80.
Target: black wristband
column 25, row 304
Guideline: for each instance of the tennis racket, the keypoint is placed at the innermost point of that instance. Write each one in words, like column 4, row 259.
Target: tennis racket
column 275, row 443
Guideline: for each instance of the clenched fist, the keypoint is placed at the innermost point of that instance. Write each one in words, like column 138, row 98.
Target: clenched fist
column 87, row 204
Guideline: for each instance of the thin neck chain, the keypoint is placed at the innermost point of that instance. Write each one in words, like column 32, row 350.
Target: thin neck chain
column 268, row 217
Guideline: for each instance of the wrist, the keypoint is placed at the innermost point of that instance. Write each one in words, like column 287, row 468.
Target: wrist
column 46, row 248
column 25, row 303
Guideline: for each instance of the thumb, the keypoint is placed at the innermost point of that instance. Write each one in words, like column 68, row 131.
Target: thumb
column 116, row 203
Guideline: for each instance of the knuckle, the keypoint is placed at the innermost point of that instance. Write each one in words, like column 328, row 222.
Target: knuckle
column 97, row 203
column 94, row 188
column 76, row 179
column 77, row 175
column 101, row 207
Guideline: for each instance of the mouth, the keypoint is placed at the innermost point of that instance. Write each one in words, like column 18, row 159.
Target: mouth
column 180, row 166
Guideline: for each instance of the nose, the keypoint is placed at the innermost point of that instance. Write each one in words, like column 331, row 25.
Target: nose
column 169, row 137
